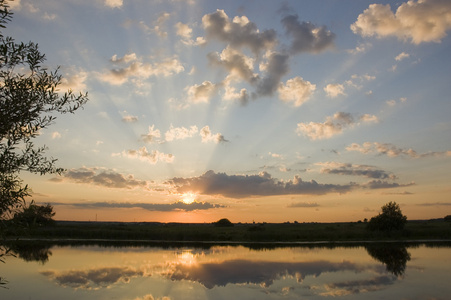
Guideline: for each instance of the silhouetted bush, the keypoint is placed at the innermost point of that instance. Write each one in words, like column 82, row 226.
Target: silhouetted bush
column 224, row 223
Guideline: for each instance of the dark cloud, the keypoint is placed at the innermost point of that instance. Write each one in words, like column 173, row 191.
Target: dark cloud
column 435, row 204
column 101, row 177
column 241, row 186
column 254, row 272
column 147, row 206
column 368, row 285
column 93, row 278
column 304, row 204
column 306, row 36
column 379, row 184
column 356, row 170
column 276, row 68
column 239, row 32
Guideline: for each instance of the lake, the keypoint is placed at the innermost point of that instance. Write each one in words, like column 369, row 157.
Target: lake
column 202, row 271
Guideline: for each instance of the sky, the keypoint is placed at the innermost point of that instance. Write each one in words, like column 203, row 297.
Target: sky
column 255, row 111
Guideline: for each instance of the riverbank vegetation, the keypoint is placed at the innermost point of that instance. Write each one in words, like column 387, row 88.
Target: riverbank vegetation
column 239, row 232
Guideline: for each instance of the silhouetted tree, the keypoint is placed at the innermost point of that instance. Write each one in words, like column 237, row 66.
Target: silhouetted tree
column 447, row 218
column 391, row 218
column 223, row 223
column 29, row 101
column 35, row 215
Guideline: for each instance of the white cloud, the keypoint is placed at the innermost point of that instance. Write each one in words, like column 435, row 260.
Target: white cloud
column 238, row 64
column 296, row 90
column 201, row 93
column 56, row 135
column 74, row 80
column 130, row 119
column 231, row 94
column 101, row 177
column 360, row 48
column 131, row 67
column 208, row 136
column 113, row 3
column 183, row 30
column 14, row 5
column 420, row 21
column 391, row 102
column 239, row 32
column 392, row 151
column 332, row 126
column 152, row 157
column 180, row 133
column 152, row 136
column 125, row 59
column 402, row 56
column 333, row 90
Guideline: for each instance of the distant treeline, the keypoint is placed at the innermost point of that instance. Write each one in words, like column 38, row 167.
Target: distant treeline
column 228, row 232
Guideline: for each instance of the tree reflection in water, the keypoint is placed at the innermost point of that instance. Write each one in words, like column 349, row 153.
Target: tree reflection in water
column 39, row 252
column 393, row 256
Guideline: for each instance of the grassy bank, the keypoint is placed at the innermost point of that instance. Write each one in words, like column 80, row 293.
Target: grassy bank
column 286, row 232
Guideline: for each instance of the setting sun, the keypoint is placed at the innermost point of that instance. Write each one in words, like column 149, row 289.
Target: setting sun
column 188, row 198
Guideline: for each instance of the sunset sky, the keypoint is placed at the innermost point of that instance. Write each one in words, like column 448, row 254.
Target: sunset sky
column 265, row 111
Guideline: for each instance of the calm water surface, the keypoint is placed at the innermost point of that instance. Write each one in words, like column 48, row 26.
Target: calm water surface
column 372, row 271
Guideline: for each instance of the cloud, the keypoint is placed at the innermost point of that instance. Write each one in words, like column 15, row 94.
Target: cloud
column 152, row 135
column 14, row 4
column 93, row 279
column 420, row 21
column 333, row 90
column 74, row 80
column 303, row 204
column 354, row 170
column 183, row 30
column 435, row 204
column 393, row 151
column 129, row 119
column 132, row 67
column 152, row 157
column 351, row 287
column 379, row 184
column 56, row 135
column 180, row 133
column 113, row 3
column 275, row 68
column 176, row 206
column 405, row 193
column 207, row 136
column 239, row 65
column 242, row 186
column 296, row 90
column 332, row 126
column 101, row 177
column 306, row 36
column 239, row 32
column 231, row 94
column 201, row 93
column 360, row 48
column 402, row 56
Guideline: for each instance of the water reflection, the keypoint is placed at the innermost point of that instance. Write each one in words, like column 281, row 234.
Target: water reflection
column 93, row 279
column 394, row 257
column 253, row 272
column 190, row 272
column 39, row 252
